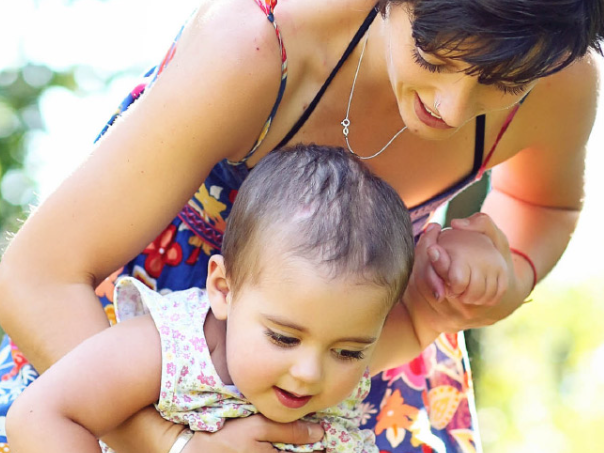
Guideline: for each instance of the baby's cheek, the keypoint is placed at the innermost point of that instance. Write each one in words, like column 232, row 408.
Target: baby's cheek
column 251, row 366
column 342, row 386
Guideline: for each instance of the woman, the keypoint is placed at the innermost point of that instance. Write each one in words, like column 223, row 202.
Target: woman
column 430, row 92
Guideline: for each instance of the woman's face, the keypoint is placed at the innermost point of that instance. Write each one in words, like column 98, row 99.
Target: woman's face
column 434, row 94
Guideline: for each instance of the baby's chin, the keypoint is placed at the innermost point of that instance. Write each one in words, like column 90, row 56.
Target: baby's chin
column 287, row 415
column 284, row 418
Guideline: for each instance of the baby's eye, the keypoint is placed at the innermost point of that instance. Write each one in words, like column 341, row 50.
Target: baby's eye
column 423, row 63
column 345, row 354
column 281, row 340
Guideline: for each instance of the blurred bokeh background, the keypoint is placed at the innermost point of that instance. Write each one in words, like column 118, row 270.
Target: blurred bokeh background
column 64, row 67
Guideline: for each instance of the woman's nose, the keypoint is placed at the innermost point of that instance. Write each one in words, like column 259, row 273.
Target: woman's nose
column 458, row 100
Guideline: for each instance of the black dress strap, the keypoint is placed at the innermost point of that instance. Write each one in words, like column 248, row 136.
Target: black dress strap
column 478, row 143
column 311, row 107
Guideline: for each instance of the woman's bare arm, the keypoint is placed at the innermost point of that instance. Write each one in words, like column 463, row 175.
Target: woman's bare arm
column 537, row 194
column 544, row 184
column 202, row 109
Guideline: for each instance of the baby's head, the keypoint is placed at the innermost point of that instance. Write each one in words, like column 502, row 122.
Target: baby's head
column 316, row 252
column 321, row 205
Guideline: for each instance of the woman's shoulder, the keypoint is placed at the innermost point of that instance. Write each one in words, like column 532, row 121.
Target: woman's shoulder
column 238, row 30
column 251, row 53
column 579, row 82
column 309, row 28
column 553, row 127
column 225, row 66
column 559, row 110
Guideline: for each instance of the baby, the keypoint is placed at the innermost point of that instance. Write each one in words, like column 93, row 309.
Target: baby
column 303, row 305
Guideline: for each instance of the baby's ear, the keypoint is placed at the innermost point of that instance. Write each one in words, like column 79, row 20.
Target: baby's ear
column 218, row 287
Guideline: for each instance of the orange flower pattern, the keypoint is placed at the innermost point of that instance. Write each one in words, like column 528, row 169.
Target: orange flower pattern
column 395, row 414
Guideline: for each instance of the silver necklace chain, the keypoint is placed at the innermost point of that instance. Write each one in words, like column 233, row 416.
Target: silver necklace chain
column 346, row 121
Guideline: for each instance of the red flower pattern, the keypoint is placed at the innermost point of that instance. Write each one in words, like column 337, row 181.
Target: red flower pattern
column 163, row 250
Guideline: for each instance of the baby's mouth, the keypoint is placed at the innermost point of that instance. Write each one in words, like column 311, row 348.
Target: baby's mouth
column 291, row 400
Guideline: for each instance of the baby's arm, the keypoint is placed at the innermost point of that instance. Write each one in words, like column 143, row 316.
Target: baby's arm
column 407, row 331
column 90, row 391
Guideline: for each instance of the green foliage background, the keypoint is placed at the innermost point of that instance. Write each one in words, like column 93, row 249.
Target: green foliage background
column 540, row 386
column 20, row 91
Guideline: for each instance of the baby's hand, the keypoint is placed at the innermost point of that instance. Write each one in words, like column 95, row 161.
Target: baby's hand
column 462, row 277
column 471, row 262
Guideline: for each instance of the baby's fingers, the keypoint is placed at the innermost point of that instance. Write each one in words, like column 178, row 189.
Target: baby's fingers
column 458, row 279
column 484, row 290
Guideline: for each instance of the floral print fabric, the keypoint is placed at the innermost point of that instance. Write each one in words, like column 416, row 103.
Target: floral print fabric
column 193, row 394
column 424, row 406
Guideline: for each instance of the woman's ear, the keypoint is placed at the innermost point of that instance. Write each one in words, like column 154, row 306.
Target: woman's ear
column 217, row 287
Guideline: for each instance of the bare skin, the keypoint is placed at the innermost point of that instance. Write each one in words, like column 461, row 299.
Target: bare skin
column 150, row 153
column 133, row 347
column 59, row 401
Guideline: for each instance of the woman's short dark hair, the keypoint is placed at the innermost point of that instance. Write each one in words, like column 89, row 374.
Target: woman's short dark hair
column 322, row 205
column 513, row 41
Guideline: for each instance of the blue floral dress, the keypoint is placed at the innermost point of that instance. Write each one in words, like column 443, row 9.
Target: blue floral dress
column 424, row 406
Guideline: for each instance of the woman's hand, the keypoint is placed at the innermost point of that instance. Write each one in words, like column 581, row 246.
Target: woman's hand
column 253, row 435
column 464, row 277
column 148, row 431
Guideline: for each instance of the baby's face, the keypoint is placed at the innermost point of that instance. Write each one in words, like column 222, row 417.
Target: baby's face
column 298, row 343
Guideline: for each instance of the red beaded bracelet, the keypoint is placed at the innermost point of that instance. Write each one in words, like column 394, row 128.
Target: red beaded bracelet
column 528, row 260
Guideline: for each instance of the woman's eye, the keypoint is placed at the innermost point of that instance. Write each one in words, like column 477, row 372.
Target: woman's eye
column 281, row 340
column 512, row 90
column 345, row 354
column 423, row 63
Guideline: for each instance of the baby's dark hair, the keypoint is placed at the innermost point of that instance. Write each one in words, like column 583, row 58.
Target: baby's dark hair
column 323, row 205
column 510, row 41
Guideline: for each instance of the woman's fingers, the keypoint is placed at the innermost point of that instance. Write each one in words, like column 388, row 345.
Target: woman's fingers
column 482, row 223
column 440, row 260
column 255, row 434
column 297, row 433
column 428, row 257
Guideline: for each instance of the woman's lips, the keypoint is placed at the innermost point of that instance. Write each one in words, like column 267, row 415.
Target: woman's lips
column 425, row 116
column 291, row 400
